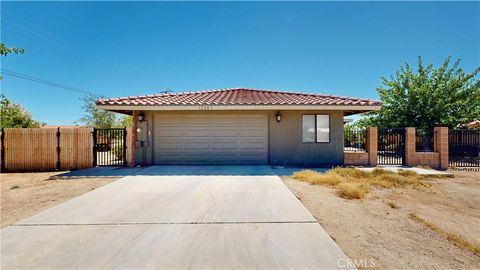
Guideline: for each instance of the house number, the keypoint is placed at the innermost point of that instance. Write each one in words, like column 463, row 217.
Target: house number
column 204, row 107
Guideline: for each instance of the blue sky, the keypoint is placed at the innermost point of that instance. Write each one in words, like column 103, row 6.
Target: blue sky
column 126, row 48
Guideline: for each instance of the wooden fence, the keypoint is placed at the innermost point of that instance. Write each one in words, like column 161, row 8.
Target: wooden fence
column 46, row 149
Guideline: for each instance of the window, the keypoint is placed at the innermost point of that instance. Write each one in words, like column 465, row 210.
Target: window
column 315, row 128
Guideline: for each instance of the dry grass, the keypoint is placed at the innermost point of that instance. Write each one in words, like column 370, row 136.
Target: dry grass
column 351, row 190
column 354, row 184
column 392, row 204
column 456, row 239
column 316, row 178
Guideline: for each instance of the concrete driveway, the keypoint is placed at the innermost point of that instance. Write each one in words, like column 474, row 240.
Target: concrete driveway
column 176, row 222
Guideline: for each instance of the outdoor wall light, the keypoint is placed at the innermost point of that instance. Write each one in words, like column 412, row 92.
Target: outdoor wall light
column 278, row 117
column 141, row 117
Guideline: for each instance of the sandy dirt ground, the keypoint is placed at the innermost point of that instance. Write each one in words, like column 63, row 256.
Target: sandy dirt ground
column 371, row 229
column 25, row 194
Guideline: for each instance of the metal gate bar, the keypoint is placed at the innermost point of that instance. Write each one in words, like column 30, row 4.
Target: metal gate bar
column 391, row 146
column 464, row 148
column 109, row 147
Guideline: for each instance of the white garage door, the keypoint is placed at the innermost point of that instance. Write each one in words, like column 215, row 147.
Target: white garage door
column 210, row 139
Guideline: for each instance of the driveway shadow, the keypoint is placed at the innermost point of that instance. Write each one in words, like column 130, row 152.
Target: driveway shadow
column 182, row 170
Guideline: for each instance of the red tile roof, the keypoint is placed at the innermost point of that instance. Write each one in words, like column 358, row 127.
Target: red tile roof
column 238, row 96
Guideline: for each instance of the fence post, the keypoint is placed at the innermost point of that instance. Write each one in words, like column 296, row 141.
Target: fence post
column 3, row 150
column 372, row 145
column 58, row 148
column 441, row 139
column 94, row 148
column 410, row 146
column 133, row 138
column 124, row 146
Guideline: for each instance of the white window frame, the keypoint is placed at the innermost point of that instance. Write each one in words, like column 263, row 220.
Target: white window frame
column 316, row 135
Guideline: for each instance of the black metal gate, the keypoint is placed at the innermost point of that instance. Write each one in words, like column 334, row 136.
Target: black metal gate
column 391, row 146
column 464, row 148
column 109, row 147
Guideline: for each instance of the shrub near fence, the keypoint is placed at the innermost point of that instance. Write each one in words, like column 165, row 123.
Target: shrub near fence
column 46, row 149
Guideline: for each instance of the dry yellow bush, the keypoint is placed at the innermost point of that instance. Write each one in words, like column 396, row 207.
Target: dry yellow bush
column 352, row 190
column 359, row 181
column 317, row 178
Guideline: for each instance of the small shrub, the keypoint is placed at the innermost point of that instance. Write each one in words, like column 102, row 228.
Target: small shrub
column 354, row 183
column 380, row 171
column 14, row 187
column 392, row 204
column 407, row 173
column 350, row 172
column 352, row 190
column 317, row 178
column 330, row 179
column 304, row 174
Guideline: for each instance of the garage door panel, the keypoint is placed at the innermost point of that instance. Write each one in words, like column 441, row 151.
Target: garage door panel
column 168, row 145
column 219, row 146
column 252, row 120
column 225, row 156
column 195, row 157
column 251, row 156
column 169, row 132
column 196, row 145
column 210, row 139
column 224, row 132
column 224, row 119
column 195, row 119
column 252, row 132
column 198, row 132
column 251, row 146
column 169, row 158
column 164, row 120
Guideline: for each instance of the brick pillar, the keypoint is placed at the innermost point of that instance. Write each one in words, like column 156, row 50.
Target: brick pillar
column 372, row 145
column 134, row 138
column 441, row 146
column 410, row 147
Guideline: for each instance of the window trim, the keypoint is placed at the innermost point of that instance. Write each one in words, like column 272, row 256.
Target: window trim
column 315, row 116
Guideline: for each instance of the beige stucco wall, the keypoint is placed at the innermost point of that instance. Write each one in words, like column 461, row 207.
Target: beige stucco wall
column 287, row 149
column 285, row 145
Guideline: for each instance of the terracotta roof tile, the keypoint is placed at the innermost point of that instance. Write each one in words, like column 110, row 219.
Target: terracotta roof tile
column 238, row 96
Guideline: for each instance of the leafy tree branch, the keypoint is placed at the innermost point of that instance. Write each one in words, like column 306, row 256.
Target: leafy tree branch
column 428, row 97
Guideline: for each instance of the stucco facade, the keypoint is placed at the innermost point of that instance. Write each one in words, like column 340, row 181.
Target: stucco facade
column 287, row 149
column 285, row 146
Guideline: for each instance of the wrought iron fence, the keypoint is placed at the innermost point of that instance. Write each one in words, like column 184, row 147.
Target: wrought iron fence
column 354, row 139
column 391, row 146
column 464, row 148
column 424, row 140
column 109, row 147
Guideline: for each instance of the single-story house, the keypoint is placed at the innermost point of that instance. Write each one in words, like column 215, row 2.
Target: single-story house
column 239, row 126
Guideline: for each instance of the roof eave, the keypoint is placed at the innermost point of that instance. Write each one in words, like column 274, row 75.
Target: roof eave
column 350, row 108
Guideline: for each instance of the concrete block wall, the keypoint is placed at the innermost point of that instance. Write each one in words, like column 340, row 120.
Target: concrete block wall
column 441, row 146
column 367, row 158
column 438, row 159
column 356, row 158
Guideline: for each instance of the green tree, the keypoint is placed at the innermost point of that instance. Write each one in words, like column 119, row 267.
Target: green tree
column 15, row 116
column 125, row 121
column 96, row 117
column 429, row 97
column 4, row 50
